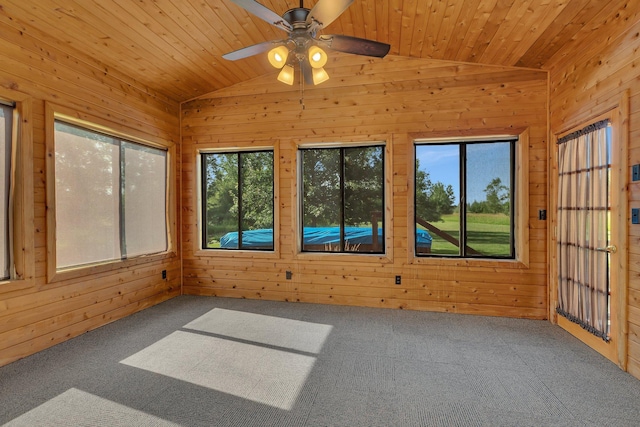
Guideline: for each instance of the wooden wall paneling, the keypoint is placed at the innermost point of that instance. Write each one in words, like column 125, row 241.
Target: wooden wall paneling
column 587, row 77
column 64, row 315
column 620, row 270
column 38, row 305
column 22, row 215
column 36, row 314
column 633, row 362
column 48, row 49
column 42, row 294
column 366, row 106
column 48, row 80
column 125, row 308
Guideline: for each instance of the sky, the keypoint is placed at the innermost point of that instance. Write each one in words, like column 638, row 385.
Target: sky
column 485, row 161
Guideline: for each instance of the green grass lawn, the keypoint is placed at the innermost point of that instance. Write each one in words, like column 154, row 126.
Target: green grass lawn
column 486, row 233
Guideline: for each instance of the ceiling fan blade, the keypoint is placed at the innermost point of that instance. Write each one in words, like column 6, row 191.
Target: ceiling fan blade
column 355, row 45
column 327, row 11
column 255, row 49
column 264, row 13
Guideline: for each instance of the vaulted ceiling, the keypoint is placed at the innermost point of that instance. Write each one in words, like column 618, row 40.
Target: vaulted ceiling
column 174, row 47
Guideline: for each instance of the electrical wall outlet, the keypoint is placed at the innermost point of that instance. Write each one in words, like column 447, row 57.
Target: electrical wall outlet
column 635, row 216
column 164, row 274
column 398, row 280
column 288, row 275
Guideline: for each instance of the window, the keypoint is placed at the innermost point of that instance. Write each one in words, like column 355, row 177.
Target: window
column 343, row 199
column 237, row 200
column 110, row 197
column 464, row 198
column 6, row 129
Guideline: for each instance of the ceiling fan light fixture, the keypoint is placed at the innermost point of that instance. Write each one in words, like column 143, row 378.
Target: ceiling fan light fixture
column 303, row 43
column 317, row 57
column 319, row 76
column 286, row 75
column 278, row 56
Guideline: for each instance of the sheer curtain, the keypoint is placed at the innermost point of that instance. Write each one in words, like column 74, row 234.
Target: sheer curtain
column 583, row 214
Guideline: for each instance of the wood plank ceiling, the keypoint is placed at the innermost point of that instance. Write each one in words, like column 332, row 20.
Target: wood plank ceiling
column 174, row 47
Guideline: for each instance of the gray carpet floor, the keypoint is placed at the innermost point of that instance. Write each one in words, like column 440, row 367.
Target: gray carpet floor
column 199, row 361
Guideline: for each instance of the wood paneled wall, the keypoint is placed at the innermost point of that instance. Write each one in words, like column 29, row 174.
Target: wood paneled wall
column 394, row 100
column 36, row 314
column 587, row 78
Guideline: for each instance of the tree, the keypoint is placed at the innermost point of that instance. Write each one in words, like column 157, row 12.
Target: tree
column 221, row 171
column 442, row 198
column 228, row 174
column 257, row 190
column 325, row 181
column 432, row 200
column 364, row 183
column 477, row 207
column 497, row 197
column 321, row 187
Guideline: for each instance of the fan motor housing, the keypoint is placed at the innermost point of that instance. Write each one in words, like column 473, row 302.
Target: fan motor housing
column 296, row 17
column 302, row 25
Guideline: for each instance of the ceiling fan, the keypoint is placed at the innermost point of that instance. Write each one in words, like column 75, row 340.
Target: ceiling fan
column 303, row 44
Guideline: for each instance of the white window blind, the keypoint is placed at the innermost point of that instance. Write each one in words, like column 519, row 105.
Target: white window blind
column 110, row 197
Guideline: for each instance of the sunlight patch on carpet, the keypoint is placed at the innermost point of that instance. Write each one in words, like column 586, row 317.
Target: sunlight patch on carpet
column 75, row 407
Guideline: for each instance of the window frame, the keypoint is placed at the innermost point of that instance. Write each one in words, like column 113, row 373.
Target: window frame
column 21, row 210
column 8, row 150
column 463, row 162
column 202, row 200
column 520, row 209
column 98, row 124
column 386, row 253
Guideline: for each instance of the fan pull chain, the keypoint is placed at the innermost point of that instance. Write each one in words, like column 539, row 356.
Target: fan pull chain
column 301, row 87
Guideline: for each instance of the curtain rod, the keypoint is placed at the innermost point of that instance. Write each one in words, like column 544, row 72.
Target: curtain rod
column 588, row 129
column 8, row 103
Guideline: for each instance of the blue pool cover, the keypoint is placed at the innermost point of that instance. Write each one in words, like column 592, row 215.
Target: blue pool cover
column 314, row 236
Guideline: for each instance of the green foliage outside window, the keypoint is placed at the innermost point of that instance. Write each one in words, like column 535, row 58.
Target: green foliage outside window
column 343, row 191
column 237, row 196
